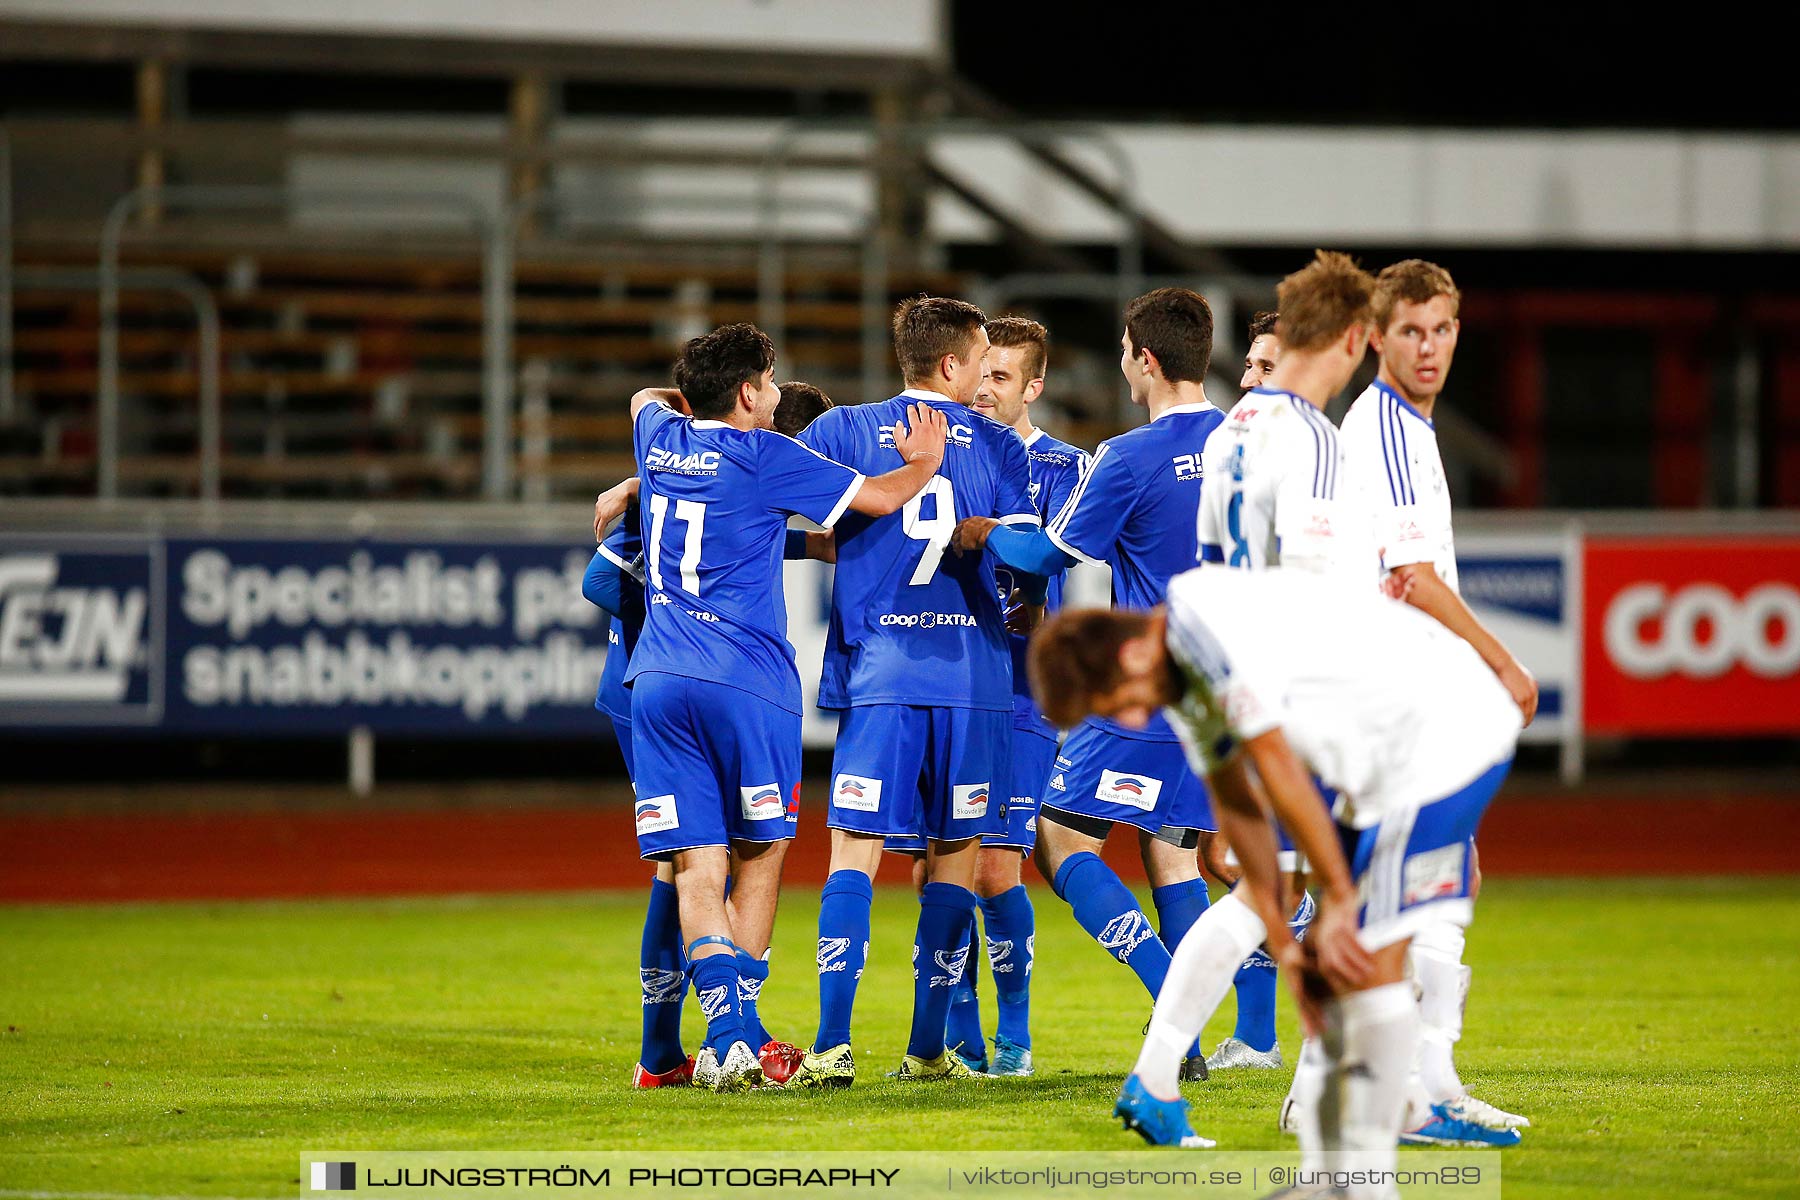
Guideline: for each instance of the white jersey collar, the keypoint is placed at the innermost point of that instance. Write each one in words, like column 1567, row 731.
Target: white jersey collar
column 1203, row 406
column 923, row 394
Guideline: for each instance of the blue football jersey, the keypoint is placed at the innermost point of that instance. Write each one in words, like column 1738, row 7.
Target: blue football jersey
column 714, row 503
column 910, row 623
column 1055, row 469
column 1135, row 508
column 624, row 548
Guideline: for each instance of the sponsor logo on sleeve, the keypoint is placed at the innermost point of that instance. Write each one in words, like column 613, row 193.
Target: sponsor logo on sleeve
column 1433, row 875
column 1135, row 791
column 1187, row 466
column 761, row 803
column 968, row 801
column 856, row 793
column 656, row 814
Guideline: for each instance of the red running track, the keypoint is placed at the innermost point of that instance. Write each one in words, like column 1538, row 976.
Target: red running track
column 271, row 855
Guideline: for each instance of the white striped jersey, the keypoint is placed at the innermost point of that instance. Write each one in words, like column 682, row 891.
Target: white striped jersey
column 1379, row 700
column 1394, row 458
column 1277, row 492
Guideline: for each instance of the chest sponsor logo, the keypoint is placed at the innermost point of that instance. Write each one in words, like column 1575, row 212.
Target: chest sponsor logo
column 761, row 803
column 928, row 620
column 1135, row 791
column 656, row 814
column 969, row 801
column 856, row 793
column 1433, row 875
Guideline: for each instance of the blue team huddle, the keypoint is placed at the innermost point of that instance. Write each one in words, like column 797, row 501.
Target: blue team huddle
column 952, row 521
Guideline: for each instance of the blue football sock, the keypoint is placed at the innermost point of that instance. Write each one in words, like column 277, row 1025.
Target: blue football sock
column 1255, row 984
column 716, row 987
column 843, row 952
column 1178, row 906
column 662, row 974
column 752, row 974
column 1109, row 912
column 1011, row 944
column 940, row 957
column 963, row 1027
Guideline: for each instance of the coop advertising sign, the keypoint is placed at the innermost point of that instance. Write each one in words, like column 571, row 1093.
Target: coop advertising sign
column 1693, row 635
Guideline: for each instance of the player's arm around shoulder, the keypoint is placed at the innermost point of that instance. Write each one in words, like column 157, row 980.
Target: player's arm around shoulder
column 919, row 439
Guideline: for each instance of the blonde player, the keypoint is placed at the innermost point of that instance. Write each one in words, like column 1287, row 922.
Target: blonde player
column 1391, row 440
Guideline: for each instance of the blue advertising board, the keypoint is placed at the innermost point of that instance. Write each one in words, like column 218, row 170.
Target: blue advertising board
column 271, row 636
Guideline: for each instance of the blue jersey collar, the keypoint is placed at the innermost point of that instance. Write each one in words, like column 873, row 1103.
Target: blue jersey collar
column 1403, row 402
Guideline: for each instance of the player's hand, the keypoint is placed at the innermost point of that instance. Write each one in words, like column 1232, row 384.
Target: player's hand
column 1522, row 686
column 1397, row 585
column 971, row 533
column 1301, row 970
column 611, row 504
column 822, row 545
column 1341, row 957
column 925, row 440
column 1022, row 618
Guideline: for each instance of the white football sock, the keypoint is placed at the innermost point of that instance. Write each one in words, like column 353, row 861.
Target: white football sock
column 1365, row 1088
column 1303, row 1102
column 1436, row 959
column 1200, row 974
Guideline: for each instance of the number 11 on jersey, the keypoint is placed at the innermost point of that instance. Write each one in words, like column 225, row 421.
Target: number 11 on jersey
column 693, row 513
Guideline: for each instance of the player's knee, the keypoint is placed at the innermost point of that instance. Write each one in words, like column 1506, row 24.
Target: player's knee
column 996, row 871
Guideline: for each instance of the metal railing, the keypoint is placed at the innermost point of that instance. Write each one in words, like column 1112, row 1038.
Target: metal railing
column 499, row 235
column 496, row 304
column 206, row 318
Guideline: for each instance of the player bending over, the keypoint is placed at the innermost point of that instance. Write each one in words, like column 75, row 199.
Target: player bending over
column 715, row 696
column 1295, row 673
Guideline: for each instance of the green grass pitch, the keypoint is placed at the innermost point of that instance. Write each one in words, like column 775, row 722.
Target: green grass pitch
column 1650, row 1028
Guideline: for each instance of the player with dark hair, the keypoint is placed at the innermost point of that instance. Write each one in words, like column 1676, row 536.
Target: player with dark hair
column 801, row 403
column 614, row 582
column 918, row 664
column 718, row 781
column 1264, row 350
column 1391, row 439
column 1274, row 496
column 1133, row 508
